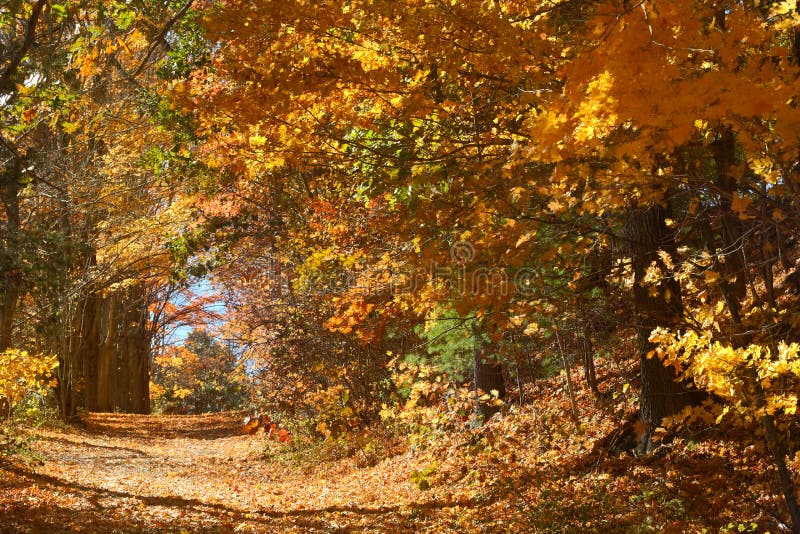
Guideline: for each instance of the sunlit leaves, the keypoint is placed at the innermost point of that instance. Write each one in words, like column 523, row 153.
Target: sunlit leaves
column 728, row 372
column 22, row 373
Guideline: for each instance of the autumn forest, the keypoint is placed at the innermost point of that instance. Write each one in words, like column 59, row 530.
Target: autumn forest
column 399, row 266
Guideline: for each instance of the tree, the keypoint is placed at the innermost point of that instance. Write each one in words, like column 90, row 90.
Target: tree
column 656, row 305
column 77, row 196
column 536, row 132
column 200, row 376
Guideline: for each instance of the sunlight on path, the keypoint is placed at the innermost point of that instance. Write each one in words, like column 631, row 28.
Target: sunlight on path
column 133, row 473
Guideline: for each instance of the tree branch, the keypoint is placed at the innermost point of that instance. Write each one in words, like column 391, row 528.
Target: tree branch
column 30, row 30
column 162, row 34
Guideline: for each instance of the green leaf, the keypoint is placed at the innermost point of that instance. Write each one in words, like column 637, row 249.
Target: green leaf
column 59, row 12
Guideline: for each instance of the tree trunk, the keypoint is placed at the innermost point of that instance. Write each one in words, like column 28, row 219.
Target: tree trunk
column 106, row 341
column 64, row 388
column 137, row 359
column 589, row 370
column 98, row 373
column 10, row 274
column 733, row 264
column 568, row 373
column 90, row 348
column 778, row 450
column 662, row 394
column 488, row 377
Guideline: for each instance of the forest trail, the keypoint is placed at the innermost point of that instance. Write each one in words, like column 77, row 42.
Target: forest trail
column 134, row 473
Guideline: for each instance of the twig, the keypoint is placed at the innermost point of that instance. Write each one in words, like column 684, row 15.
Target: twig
column 162, row 34
column 569, row 380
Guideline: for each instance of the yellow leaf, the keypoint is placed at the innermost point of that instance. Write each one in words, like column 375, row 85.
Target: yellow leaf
column 725, row 410
column 531, row 329
column 555, row 206
column 525, row 238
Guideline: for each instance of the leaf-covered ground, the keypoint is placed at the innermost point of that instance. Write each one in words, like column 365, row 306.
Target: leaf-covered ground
column 128, row 473
column 532, row 470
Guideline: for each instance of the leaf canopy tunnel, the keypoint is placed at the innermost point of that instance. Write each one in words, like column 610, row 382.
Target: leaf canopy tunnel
column 385, row 193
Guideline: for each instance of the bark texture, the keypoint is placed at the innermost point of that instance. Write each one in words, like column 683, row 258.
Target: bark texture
column 656, row 305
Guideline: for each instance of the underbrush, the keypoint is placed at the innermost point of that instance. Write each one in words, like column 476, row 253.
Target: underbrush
column 15, row 446
column 32, row 411
column 535, row 468
column 364, row 448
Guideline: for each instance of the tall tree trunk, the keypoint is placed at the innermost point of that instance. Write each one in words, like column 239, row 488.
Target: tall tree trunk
column 137, row 355
column 140, row 378
column 662, row 394
column 733, row 260
column 10, row 274
column 89, row 346
column 65, row 388
column 106, row 341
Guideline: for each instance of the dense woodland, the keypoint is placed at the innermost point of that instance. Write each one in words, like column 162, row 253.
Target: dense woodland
column 559, row 233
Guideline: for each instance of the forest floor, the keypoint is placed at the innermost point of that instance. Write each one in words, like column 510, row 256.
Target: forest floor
column 129, row 473
column 535, row 469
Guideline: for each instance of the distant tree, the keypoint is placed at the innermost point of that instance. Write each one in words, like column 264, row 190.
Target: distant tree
column 200, row 376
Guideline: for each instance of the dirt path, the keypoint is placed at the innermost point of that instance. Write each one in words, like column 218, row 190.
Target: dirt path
column 126, row 473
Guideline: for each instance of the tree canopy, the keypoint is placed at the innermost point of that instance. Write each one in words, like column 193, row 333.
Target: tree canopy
column 405, row 203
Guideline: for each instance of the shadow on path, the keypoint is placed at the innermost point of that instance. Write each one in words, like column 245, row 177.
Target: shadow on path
column 383, row 518
column 205, row 426
column 78, row 443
